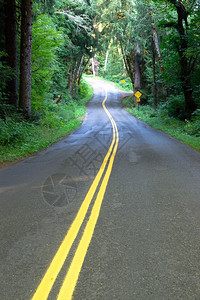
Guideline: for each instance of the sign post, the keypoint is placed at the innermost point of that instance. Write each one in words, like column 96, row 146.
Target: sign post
column 138, row 95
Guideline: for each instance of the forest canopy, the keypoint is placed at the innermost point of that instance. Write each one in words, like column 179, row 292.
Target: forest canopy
column 47, row 46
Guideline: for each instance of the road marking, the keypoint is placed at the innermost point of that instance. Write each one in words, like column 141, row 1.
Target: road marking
column 71, row 278
column 52, row 272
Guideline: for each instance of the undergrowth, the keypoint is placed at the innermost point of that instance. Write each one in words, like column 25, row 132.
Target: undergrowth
column 187, row 131
column 20, row 138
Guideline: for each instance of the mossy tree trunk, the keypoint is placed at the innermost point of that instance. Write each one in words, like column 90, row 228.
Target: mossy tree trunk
column 154, row 76
column 11, row 50
column 186, row 69
column 137, row 59
column 25, row 57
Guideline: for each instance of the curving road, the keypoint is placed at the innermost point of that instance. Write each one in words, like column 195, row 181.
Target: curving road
column 110, row 212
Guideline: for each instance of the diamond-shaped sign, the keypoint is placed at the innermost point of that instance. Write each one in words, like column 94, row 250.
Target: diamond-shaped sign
column 138, row 94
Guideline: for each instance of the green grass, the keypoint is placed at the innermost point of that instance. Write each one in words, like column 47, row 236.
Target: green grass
column 20, row 138
column 186, row 131
column 40, row 138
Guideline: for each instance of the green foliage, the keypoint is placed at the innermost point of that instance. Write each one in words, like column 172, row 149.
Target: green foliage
column 115, row 67
column 46, row 40
column 185, row 131
column 175, row 107
column 5, row 74
column 171, row 63
column 64, row 31
column 128, row 102
column 60, row 79
column 115, row 71
column 193, row 127
column 51, row 120
column 39, row 138
column 56, row 116
column 20, row 138
column 125, row 86
column 82, row 91
column 13, row 132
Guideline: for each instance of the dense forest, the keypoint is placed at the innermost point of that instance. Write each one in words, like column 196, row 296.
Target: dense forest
column 46, row 47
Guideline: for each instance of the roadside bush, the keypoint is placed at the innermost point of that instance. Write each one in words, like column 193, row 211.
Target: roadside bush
column 175, row 107
column 51, row 120
column 117, row 78
column 148, row 111
column 67, row 113
column 13, row 132
column 193, row 127
column 81, row 91
column 196, row 115
column 128, row 102
column 6, row 73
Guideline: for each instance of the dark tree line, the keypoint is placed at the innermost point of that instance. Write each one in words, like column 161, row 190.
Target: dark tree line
column 145, row 35
column 11, row 48
column 186, row 65
column 16, row 45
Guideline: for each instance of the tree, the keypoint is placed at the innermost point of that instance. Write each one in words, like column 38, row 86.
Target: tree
column 137, row 58
column 11, row 50
column 185, row 67
column 154, row 76
column 76, row 19
column 179, row 49
column 156, row 47
column 46, row 40
column 25, row 56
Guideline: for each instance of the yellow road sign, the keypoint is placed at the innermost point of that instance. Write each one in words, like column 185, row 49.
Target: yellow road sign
column 138, row 94
column 123, row 81
column 138, row 99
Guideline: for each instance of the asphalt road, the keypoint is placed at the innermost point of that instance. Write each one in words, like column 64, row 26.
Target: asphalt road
column 138, row 237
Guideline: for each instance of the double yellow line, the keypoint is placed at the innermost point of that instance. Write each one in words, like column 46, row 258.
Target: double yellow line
column 72, row 275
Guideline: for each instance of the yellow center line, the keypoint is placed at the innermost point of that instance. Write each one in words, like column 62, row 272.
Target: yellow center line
column 52, row 272
column 69, row 283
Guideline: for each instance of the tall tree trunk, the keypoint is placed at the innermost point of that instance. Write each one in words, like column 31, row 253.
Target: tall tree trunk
column 11, row 49
column 128, row 62
column 154, row 77
column 93, row 69
column 106, row 62
column 156, row 42
column 25, row 57
column 131, row 72
column 79, row 79
column 70, row 81
column 80, row 66
column 75, row 71
column 124, row 58
column 185, row 75
column 72, row 76
column 137, row 58
column 157, row 48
